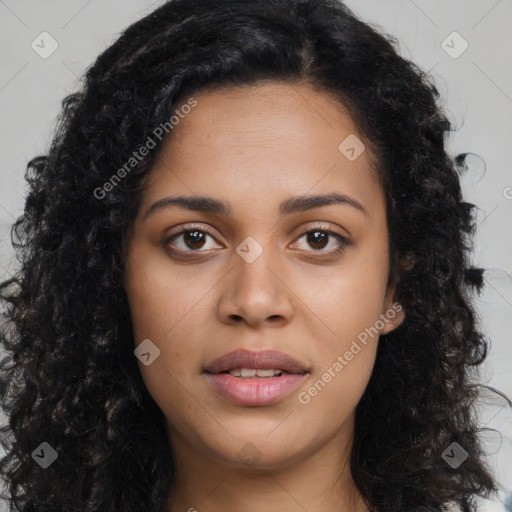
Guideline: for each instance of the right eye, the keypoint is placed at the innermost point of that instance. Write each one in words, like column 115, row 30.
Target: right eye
column 192, row 239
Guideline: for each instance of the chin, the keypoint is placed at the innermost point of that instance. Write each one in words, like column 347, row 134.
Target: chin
column 258, row 452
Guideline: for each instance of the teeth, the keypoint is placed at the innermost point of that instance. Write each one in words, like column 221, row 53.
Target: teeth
column 251, row 372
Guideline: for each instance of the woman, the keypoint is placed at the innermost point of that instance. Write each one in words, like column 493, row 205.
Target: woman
column 245, row 279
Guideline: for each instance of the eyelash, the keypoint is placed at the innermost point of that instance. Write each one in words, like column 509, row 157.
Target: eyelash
column 343, row 242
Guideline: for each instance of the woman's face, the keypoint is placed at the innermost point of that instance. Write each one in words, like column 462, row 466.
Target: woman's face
column 247, row 276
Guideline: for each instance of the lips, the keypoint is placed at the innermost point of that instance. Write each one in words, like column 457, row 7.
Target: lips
column 267, row 359
column 255, row 390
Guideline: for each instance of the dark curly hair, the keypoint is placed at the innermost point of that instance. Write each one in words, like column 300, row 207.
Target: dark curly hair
column 69, row 376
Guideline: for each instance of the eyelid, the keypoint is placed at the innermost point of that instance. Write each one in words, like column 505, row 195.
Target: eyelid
column 320, row 226
column 191, row 227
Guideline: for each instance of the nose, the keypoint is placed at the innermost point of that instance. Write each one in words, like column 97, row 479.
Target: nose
column 256, row 293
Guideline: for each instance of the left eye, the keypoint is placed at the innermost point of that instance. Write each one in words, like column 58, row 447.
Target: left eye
column 318, row 239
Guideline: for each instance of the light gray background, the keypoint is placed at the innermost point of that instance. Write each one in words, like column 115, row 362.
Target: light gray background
column 476, row 88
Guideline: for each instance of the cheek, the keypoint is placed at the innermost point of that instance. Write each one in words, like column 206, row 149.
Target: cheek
column 349, row 308
column 168, row 318
column 349, row 298
column 163, row 312
column 343, row 363
column 333, row 396
column 161, row 301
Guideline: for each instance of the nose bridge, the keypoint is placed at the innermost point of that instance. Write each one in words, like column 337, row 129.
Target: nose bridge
column 254, row 291
column 253, row 261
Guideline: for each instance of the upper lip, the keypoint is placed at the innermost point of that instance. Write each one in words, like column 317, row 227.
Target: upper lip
column 266, row 359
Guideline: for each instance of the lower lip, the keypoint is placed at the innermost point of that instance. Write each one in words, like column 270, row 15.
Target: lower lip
column 254, row 390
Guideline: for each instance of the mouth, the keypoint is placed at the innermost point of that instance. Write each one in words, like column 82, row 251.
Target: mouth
column 255, row 378
column 260, row 373
column 246, row 364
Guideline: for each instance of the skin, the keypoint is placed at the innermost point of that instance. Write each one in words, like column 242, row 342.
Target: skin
column 254, row 147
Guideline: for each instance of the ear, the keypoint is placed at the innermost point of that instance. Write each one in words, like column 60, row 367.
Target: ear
column 393, row 313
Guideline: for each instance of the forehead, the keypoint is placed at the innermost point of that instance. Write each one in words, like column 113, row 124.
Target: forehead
column 265, row 140
column 267, row 113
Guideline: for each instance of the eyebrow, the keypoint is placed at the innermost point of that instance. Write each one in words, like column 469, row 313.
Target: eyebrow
column 291, row 205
